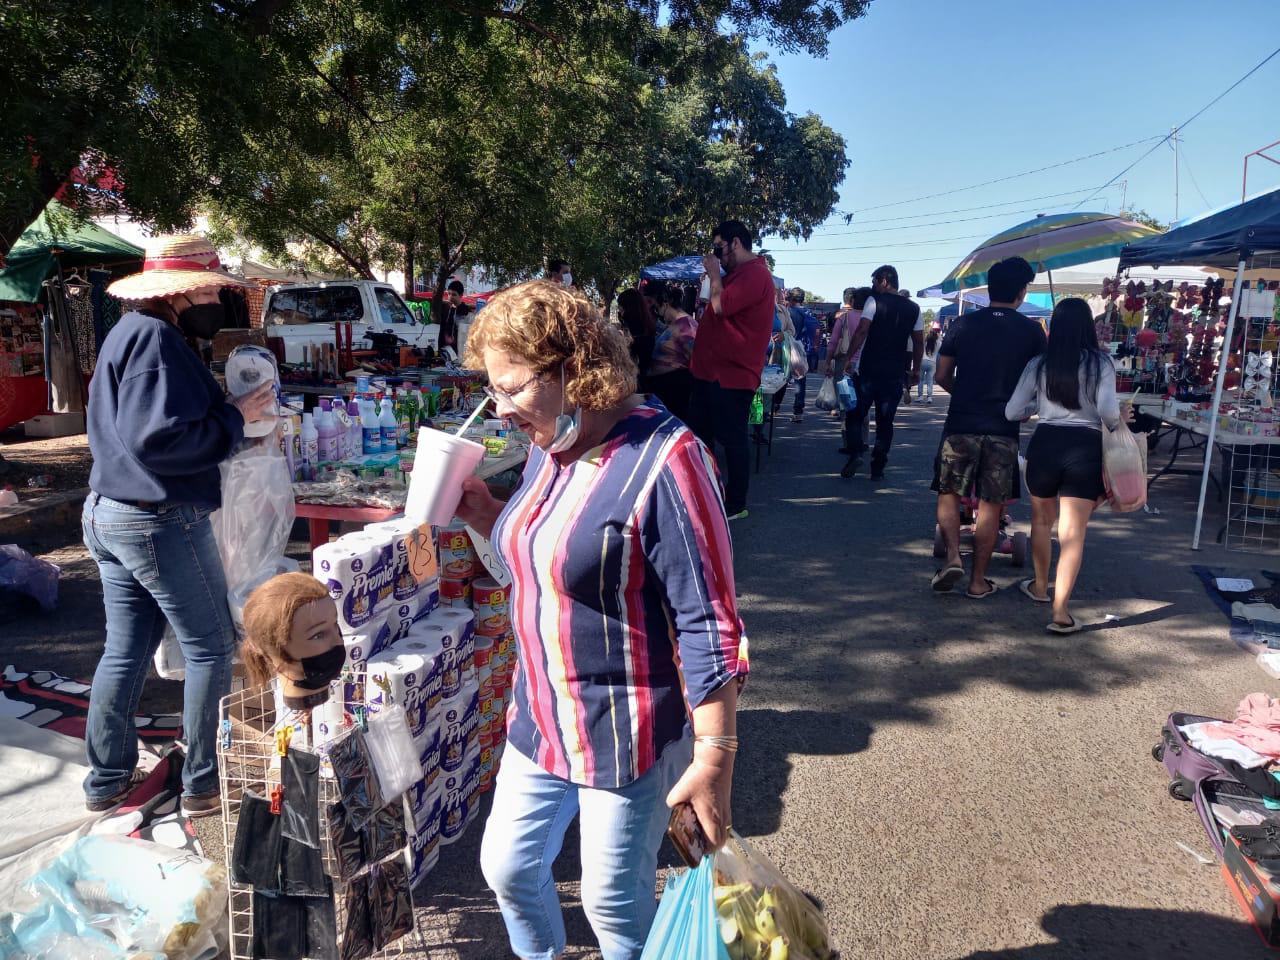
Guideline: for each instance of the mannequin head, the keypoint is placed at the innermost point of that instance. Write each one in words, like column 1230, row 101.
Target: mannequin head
column 291, row 627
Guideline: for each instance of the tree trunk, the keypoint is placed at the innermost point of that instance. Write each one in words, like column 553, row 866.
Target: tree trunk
column 410, row 287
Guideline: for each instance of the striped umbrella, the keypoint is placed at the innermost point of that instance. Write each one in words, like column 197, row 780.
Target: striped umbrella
column 1061, row 240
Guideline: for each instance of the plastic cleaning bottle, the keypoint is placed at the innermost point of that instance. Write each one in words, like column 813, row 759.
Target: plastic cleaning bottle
column 370, row 428
column 341, row 427
column 405, row 413
column 355, row 442
column 390, row 426
column 327, row 432
column 310, row 443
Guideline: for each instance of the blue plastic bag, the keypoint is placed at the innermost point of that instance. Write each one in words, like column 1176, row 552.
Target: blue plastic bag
column 846, row 395
column 20, row 572
column 686, row 926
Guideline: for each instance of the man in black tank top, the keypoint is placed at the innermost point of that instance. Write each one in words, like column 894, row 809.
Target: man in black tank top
column 881, row 376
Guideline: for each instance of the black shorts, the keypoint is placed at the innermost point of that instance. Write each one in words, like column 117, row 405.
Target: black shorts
column 1065, row 462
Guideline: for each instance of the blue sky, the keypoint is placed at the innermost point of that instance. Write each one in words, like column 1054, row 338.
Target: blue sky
column 932, row 95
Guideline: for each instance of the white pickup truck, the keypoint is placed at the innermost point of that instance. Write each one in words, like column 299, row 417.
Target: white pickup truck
column 303, row 314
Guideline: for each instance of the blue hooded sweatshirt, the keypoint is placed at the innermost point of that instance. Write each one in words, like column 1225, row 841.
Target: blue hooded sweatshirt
column 158, row 422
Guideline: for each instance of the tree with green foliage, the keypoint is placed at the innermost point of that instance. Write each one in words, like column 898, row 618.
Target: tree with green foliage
column 1141, row 216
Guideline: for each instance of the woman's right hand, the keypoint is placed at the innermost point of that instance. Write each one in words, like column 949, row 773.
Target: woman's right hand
column 478, row 507
column 256, row 404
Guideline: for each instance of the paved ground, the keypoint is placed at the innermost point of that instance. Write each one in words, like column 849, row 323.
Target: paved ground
column 949, row 780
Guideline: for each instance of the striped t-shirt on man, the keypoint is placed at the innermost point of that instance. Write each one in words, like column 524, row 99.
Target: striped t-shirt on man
column 622, row 587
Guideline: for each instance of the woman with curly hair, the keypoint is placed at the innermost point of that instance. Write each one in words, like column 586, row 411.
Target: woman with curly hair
column 622, row 600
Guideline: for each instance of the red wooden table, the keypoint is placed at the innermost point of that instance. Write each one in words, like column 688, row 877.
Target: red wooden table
column 319, row 515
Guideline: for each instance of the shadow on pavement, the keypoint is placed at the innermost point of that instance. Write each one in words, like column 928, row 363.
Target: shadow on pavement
column 1100, row 932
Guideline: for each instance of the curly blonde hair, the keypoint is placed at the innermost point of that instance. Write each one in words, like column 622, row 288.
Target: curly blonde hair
column 547, row 324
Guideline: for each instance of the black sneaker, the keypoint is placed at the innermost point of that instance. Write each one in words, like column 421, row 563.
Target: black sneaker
column 877, row 474
column 202, row 806
column 851, row 467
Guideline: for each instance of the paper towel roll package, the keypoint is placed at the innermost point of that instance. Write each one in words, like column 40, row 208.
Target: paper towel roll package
column 399, row 677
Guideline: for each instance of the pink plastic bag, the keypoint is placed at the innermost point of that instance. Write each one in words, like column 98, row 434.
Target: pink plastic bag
column 1124, row 468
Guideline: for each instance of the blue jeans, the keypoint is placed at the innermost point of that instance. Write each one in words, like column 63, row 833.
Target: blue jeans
column 156, row 564
column 621, row 830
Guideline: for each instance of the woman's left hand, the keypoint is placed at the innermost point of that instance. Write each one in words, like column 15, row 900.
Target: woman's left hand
column 707, row 786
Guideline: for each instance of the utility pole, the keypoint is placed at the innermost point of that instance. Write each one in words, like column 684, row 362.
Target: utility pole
column 1174, row 137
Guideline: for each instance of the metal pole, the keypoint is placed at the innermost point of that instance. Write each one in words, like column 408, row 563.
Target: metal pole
column 1217, row 403
column 1175, row 173
column 1053, row 300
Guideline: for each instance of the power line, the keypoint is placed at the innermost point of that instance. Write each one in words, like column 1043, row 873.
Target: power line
column 895, row 243
column 1193, row 181
column 1012, row 176
column 941, row 213
column 940, row 223
column 1168, row 136
column 867, row 263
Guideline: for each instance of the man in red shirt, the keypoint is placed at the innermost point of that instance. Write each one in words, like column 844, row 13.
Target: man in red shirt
column 729, row 354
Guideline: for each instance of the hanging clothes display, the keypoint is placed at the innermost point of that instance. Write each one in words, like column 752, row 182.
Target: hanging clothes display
column 80, row 311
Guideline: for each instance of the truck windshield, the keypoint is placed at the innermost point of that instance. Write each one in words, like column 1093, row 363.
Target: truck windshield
column 315, row 305
column 392, row 307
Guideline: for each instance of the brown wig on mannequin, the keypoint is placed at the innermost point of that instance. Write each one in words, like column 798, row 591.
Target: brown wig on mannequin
column 268, row 622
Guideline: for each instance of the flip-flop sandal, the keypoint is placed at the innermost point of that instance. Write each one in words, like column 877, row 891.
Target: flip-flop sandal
column 982, row 596
column 1063, row 628
column 946, row 578
column 1025, row 587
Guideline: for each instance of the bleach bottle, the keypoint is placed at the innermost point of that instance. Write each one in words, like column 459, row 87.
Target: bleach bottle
column 355, row 442
column 390, row 427
column 310, row 447
column 327, row 437
column 370, row 428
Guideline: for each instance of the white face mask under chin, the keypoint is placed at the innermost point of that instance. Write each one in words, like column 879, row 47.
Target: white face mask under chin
column 567, row 278
column 568, row 428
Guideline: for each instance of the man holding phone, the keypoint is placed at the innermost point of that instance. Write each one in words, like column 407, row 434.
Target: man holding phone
column 729, row 354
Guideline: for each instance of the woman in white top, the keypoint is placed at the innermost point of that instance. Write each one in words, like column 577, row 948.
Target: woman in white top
column 928, row 364
column 1072, row 388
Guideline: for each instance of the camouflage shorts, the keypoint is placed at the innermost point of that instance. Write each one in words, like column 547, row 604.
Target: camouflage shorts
column 972, row 464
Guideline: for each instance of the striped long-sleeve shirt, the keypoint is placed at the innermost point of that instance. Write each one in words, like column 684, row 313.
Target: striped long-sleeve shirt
column 622, row 587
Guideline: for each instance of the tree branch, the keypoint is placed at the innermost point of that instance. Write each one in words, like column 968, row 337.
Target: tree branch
column 510, row 16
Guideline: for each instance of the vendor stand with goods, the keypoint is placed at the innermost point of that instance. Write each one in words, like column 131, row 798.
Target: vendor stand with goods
column 1238, row 418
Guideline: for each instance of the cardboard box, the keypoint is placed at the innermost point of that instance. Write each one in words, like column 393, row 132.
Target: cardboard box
column 1255, row 890
column 224, row 341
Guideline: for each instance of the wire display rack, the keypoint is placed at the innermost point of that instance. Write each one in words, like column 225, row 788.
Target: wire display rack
column 1250, row 450
column 247, row 761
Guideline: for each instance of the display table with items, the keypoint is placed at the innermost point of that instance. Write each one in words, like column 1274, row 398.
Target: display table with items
column 333, row 812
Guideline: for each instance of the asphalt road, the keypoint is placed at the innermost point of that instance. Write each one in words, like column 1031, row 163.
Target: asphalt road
column 949, row 780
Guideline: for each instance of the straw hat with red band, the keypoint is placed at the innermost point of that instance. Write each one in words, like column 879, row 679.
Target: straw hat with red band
column 175, row 264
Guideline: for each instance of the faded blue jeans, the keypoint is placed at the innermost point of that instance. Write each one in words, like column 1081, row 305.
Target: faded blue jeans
column 156, row 564
column 621, row 830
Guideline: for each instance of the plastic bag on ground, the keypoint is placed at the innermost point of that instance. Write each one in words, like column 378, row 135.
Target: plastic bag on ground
column 758, row 907
column 105, row 897
column 686, row 927
column 1124, row 467
column 22, row 573
column 827, row 399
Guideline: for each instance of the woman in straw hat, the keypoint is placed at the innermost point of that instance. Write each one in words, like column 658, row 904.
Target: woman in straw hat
column 159, row 426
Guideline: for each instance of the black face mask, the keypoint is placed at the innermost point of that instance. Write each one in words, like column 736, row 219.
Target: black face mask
column 202, row 320
column 321, row 670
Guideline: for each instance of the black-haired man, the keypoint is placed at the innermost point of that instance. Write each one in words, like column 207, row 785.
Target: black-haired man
column 729, row 354
column 979, row 364
column 451, row 311
column 558, row 272
column 894, row 320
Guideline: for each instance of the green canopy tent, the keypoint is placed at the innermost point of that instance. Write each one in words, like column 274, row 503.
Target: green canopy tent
column 58, row 238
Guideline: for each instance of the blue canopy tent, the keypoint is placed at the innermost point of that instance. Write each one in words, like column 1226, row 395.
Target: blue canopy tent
column 687, row 269
column 1226, row 237
column 1027, row 309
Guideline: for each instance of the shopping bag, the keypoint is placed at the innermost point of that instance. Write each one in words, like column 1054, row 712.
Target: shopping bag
column 1124, row 467
column 846, row 395
column 762, row 914
column 756, row 417
column 686, row 926
column 827, row 399
column 798, row 362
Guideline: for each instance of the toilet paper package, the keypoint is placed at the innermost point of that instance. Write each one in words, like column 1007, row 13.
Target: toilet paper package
column 456, row 636
column 401, row 617
column 424, row 841
column 400, row 677
column 360, row 576
column 457, row 798
column 411, row 550
column 428, row 747
column 458, row 723
column 426, row 643
column 421, row 796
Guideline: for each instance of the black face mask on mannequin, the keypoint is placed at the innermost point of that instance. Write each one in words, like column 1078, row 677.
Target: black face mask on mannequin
column 202, row 320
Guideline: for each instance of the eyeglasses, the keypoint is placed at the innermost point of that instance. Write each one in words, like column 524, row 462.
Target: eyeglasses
column 497, row 395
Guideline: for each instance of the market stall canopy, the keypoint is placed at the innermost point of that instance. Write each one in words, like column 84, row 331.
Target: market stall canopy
column 1219, row 238
column 1061, row 240
column 1085, row 279
column 1027, row 309
column 57, row 232
column 687, row 269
